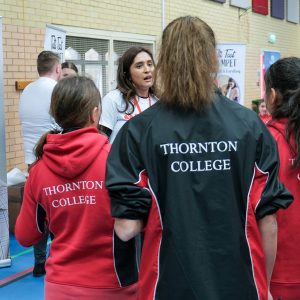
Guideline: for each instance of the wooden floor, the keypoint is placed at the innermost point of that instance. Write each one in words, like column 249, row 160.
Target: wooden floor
column 17, row 282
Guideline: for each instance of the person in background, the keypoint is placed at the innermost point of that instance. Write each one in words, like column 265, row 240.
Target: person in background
column 68, row 69
column 35, row 121
column 135, row 91
column 67, row 182
column 198, row 173
column 263, row 112
column 282, row 96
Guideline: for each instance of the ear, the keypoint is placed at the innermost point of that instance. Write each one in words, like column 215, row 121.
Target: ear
column 58, row 70
column 95, row 116
column 273, row 96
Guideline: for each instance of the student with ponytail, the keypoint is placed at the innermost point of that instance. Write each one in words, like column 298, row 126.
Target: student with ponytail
column 65, row 192
column 282, row 96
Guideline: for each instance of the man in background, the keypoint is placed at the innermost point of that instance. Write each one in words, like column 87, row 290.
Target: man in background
column 35, row 120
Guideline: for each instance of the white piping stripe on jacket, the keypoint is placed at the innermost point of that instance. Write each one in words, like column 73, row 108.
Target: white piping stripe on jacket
column 250, row 188
column 253, row 176
column 140, row 178
column 266, row 173
column 36, row 216
column 161, row 224
column 113, row 249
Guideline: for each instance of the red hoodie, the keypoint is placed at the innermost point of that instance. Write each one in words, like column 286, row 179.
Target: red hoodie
column 285, row 281
column 68, row 183
column 265, row 118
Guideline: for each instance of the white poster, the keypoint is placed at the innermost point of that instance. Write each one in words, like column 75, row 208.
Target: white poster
column 241, row 3
column 231, row 75
column 268, row 58
column 55, row 40
column 2, row 123
column 292, row 11
column 4, row 231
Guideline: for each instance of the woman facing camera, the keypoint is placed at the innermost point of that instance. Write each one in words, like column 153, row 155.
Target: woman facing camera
column 135, row 91
column 65, row 192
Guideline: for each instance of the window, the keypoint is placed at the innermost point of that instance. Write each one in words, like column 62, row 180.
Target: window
column 90, row 59
column 96, row 53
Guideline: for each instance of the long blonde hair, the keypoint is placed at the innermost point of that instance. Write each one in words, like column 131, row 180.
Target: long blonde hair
column 187, row 64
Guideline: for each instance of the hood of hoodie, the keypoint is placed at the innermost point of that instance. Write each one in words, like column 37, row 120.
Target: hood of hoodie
column 70, row 154
column 278, row 127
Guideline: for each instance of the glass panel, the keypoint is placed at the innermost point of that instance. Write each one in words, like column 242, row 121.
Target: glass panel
column 93, row 48
column 93, row 55
column 79, row 69
column 71, row 54
column 115, row 59
column 93, row 58
column 94, row 71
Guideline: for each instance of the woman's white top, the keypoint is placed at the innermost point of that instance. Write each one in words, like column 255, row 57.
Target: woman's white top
column 112, row 105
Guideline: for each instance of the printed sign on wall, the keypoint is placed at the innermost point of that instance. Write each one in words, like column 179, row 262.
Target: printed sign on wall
column 277, row 9
column 231, row 75
column 2, row 123
column 5, row 261
column 260, row 6
column 267, row 59
column 292, row 11
column 241, row 3
column 55, row 40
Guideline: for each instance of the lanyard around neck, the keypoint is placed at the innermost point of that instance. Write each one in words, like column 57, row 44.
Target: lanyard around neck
column 136, row 103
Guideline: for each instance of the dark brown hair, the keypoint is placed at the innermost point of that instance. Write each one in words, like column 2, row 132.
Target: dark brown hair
column 284, row 77
column 72, row 103
column 69, row 65
column 46, row 61
column 124, row 82
column 231, row 80
column 187, row 64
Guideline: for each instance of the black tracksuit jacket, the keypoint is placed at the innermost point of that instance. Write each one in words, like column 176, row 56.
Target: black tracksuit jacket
column 200, row 180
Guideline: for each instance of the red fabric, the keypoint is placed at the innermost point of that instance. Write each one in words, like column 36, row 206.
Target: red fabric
column 265, row 118
column 68, row 182
column 286, row 274
column 149, row 269
column 285, row 291
column 253, row 233
column 260, row 6
column 151, row 246
column 150, row 255
column 55, row 291
column 152, row 238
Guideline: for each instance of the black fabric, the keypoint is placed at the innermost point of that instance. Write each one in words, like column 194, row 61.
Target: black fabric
column 125, row 261
column 66, row 130
column 41, row 216
column 105, row 130
column 204, row 207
